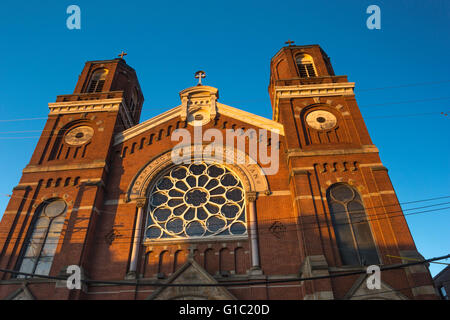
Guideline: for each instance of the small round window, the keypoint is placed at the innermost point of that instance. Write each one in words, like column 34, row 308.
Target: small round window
column 196, row 201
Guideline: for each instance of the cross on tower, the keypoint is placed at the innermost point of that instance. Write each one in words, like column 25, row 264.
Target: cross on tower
column 122, row 54
column 199, row 75
column 289, row 42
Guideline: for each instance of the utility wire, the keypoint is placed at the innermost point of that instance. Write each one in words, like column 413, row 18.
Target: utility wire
column 139, row 282
column 292, row 226
column 404, row 85
column 317, row 224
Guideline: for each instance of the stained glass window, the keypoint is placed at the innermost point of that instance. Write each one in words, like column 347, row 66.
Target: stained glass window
column 196, row 200
column 351, row 227
column 41, row 245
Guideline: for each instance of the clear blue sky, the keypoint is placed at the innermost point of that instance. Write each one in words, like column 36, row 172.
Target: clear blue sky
column 233, row 41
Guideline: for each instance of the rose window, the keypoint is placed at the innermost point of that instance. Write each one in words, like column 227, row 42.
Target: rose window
column 196, row 200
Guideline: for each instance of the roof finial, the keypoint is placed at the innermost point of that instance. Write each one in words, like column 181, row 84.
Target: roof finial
column 122, row 54
column 289, row 42
column 199, row 75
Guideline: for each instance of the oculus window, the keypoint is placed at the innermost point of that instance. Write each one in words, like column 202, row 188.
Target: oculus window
column 195, row 201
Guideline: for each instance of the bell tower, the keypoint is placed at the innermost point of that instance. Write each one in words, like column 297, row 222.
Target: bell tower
column 348, row 212
column 69, row 170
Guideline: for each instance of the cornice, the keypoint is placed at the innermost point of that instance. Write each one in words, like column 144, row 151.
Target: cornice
column 84, row 106
column 311, row 90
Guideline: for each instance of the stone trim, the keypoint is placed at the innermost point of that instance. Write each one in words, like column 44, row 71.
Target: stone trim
column 364, row 165
column 276, row 193
column 216, row 239
column 412, row 254
column 423, row 290
column 313, row 90
column 379, row 168
column 84, row 106
column 373, row 194
column 320, row 295
column 112, row 202
column 300, row 153
column 63, row 167
column 309, row 197
column 22, row 186
column 86, row 208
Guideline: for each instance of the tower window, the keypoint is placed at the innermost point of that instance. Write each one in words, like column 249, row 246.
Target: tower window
column 305, row 66
column 97, row 80
column 353, row 235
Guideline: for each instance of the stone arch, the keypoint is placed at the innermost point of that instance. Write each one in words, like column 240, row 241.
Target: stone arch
column 249, row 172
column 338, row 134
column 59, row 147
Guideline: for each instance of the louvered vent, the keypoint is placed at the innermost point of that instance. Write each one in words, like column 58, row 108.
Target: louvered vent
column 100, row 86
column 310, row 69
column 306, row 70
column 92, row 86
column 303, row 71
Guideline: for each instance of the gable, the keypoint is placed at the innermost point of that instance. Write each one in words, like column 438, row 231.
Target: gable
column 191, row 272
column 22, row 293
column 359, row 291
column 177, row 112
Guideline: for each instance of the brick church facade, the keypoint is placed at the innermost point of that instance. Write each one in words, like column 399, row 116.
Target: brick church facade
column 102, row 192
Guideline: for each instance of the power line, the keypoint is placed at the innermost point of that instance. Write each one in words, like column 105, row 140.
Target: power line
column 385, row 103
column 294, row 225
column 316, row 224
column 366, row 208
column 23, row 119
column 405, row 101
column 355, row 118
column 404, row 85
column 139, row 282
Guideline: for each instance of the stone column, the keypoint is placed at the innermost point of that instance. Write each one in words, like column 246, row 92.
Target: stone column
column 256, row 267
column 140, row 203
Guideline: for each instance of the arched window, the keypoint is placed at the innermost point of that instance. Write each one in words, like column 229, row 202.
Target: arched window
column 353, row 235
column 97, row 80
column 305, row 66
column 41, row 243
column 196, row 201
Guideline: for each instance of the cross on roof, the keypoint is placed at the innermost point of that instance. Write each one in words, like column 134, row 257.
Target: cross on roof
column 289, row 42
column 199, row 75
column 122, row 54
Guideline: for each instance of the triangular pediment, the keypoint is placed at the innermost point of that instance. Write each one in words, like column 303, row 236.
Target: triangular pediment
column 179, row 112
column 360, row 291
column 191, row 272
column 22, row 293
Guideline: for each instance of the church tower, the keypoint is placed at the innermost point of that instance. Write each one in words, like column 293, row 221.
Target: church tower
column 67, row 173
column 348, row 212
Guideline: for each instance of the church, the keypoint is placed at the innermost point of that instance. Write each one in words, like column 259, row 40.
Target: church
column 235, row 205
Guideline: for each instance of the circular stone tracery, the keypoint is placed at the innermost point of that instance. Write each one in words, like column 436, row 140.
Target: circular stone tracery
column 196, row 197
column 321, row 120
column 196, row 200
column 79, row 135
